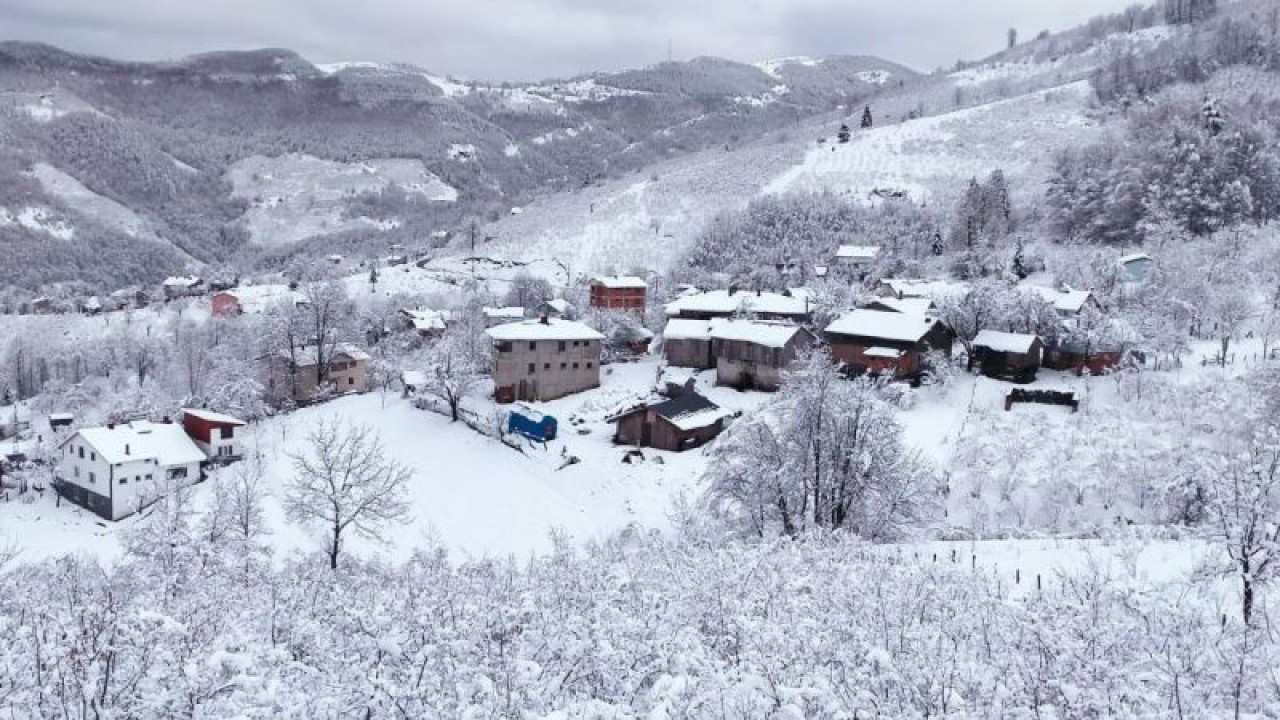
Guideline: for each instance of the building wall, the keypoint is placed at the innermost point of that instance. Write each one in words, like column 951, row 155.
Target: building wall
column 851, row 352
column 689, row 353
column 224, row 304
column 208, row 437
column 734, row 372
column 544, row 370
column 662, row 434
column 617, row 298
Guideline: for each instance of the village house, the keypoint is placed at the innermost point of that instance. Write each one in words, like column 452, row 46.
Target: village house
column 903, row 288
column 117, row 470
column 1135, row 267
column 1067, row 302
column 680, row 423
column 182, row 286
column 855, row 260
column 795, row 306
column 887, row 343
column 618, row 293
column 1014, row 356
column 218, row 436
column 544, row 359
column 752, row 354
column 426, row 323
column 557, row 308
column 253, row 299
column 687, row 343
column 298, row 377
column 910, row 305
column 494, row 316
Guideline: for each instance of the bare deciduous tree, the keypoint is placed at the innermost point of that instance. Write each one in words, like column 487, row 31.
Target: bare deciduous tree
column 345, row 481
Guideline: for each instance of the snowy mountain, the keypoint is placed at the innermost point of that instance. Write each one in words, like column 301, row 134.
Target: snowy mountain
column 154, row 159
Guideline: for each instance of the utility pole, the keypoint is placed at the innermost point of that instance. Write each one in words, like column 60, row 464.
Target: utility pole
column 473, row 251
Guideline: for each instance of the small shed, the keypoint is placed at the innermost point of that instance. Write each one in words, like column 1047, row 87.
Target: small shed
column 686, row 421
column 535, row 425
column 58, row 421
column 412, row 381
column 1007, row 355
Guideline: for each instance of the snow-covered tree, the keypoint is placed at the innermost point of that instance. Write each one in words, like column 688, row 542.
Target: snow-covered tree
column 344, row 481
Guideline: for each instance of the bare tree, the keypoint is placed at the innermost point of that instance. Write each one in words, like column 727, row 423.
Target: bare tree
column 1243, row 500
column 344, row 481
column 1229, row 309
column 327, row 310
column 454, row 371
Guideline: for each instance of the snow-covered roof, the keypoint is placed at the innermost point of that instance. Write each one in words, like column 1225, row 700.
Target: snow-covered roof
column 504, row 313
column 620, row 281
column 1064, row 300
column 1134, row 257
column 685, row 329
column 721, row 302
column 256, row 298
column 213, row 417
column 1004, row 342
column 901, row 327
column 549, row 329
column 756, row 332
column 917, row 287
column 308, row 356
column 182, row 281
column 858, row 252
column 882, row 352
column 910, row 305
column 427, row 320
column 560, row 305
column 166, row 443
column 414, row 378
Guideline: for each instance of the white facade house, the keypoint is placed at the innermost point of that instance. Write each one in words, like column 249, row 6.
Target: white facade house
column 219, row 436
column 856, row 259
column 116, row 470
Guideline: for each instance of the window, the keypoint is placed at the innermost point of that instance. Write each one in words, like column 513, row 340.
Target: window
column 224, row 451
column 351, row 381
column 531, row 368
column 546, row 366
column 81, row 452
column 77, row 471
column 93, row 456
column 564, row 365
column 227, row 433
column 92, row 479
column 148, row 478
column 177, row 473
column 575, row 366
column 588, row 366
column 563, row 345
column 504, row 346
column 124, row 479
column 533, row 345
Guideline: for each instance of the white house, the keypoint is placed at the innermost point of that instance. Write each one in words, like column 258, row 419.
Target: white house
column 116, row 470
column 182, row 286
column 218, row 436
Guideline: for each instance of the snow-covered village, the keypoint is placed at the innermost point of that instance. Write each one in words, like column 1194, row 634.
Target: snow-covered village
column 809, row 387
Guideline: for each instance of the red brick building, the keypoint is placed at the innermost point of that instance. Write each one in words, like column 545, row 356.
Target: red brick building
column 618, row 293
column 224, row 304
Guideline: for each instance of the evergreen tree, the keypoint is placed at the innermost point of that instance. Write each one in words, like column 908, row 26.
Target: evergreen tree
column 843, row 135
column 866, row 117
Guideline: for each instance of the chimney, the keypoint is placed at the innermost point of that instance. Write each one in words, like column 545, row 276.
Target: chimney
column 544, row 319
column 111, row 426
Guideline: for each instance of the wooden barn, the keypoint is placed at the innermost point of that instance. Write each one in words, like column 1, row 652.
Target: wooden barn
column 887, row 343
column 1007, row 355
column 680, row 423
column 1097, row 359
column 687, row 343
column 752, row 354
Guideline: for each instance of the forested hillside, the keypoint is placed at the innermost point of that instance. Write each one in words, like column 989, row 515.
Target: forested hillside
column 160, row 143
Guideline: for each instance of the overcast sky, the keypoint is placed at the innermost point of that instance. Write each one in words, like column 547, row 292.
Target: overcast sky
column 534, row 39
